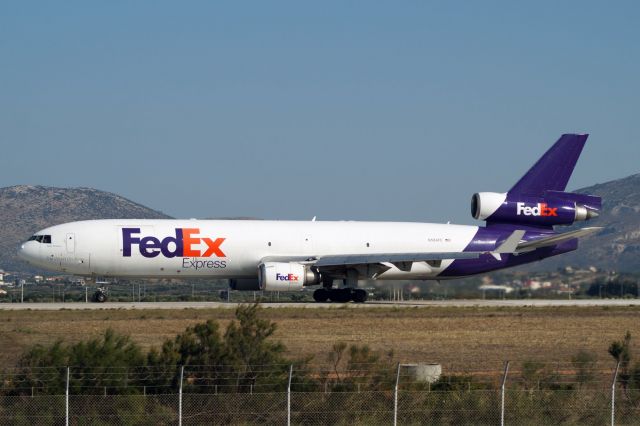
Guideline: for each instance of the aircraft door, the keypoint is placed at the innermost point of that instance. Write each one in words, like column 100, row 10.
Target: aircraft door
column 71, row 243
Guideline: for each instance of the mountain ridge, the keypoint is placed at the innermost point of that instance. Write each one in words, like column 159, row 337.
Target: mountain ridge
column 617, row 246
column 25, row 209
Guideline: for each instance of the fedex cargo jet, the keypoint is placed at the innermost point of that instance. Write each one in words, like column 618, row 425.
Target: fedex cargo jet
column 291, row 255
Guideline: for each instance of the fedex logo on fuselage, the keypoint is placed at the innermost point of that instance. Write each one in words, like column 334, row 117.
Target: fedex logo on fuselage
column 541, row 209
column 287, row 277
column 185, row 243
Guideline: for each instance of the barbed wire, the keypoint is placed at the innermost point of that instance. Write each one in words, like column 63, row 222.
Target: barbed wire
column 342, row 377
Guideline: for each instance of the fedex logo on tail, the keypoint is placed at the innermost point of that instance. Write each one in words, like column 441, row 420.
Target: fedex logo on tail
column 541, row 209
column 287, row 277
column 185, row 243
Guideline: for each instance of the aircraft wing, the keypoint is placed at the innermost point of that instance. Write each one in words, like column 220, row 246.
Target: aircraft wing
column 556, row 239
column 382, row 261
column 375, row 263
column 362, row 259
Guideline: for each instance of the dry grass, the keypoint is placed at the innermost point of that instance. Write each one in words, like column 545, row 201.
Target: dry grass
column 475, row 337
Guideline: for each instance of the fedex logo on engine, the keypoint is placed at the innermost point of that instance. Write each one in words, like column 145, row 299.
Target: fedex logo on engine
column 541, row 209
column 185, row 243
column 287, row 277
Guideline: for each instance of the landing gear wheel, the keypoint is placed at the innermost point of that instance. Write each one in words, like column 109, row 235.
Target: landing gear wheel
column 340, row 295
column 321, row 295
column 359, row 296
column 100, row 296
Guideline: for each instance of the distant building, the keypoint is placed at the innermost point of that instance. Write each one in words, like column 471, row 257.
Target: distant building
column 1, row 277
column 486, row 280
column 78, row 281
column 532, row 285
column 38, row 279
column 494, row 287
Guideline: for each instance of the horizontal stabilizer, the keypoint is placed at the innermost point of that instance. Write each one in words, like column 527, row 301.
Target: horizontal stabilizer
column 557, row 239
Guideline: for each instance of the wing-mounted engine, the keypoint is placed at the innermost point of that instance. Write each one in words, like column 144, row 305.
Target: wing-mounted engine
column 549, row 209
column 286, row 276
column 278, row 276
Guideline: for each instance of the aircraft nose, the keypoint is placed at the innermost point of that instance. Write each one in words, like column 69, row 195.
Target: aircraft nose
column 27, row 251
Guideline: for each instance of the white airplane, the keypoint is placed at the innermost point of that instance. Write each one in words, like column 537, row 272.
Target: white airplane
column 290, row 255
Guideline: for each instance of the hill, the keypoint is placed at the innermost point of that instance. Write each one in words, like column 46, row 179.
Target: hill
column 617, row 246
column 25, row 209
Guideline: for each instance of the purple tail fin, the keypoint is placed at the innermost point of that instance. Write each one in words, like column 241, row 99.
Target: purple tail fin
column 553, row 170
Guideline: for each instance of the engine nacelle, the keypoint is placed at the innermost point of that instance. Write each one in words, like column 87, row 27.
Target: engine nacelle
column 555, row 208
column 286, row 276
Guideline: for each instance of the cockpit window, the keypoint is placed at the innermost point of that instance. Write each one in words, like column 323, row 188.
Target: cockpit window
column 46, row 239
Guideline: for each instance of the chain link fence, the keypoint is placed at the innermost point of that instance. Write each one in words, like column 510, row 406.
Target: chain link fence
column 380, row 394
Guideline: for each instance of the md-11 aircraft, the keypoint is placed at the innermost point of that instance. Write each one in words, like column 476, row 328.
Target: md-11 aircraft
column 290, row 255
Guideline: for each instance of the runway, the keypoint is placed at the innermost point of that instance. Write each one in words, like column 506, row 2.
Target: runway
column 462, row 303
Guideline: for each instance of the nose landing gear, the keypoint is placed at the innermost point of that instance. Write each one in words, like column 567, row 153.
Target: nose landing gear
column 100, row 296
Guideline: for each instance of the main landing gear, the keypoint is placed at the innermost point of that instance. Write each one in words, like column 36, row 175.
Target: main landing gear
column 342, row 295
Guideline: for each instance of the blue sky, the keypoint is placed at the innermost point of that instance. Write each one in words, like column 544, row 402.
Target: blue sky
column 344, row 110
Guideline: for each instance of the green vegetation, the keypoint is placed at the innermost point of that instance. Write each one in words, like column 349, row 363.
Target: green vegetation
column 620, row 286
column 111, row 375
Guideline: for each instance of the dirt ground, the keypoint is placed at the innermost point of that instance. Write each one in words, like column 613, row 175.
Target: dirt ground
column 473, row 337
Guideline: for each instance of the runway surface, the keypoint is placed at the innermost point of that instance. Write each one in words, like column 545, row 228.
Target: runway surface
column 409, row 304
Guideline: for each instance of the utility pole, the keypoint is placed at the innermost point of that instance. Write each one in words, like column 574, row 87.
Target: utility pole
column 289, row 396
column 180, row 396
column 613, row 394
column 21, row 291
column 66, row 400
column 395, row 397
column 502, row 391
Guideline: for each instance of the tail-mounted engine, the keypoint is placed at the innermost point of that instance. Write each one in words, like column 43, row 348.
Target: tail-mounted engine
column 553, row 208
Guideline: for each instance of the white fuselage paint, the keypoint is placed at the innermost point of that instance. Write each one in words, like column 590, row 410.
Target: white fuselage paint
column 96, row 247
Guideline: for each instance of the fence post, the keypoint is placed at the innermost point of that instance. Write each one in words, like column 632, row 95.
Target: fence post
column 66, row 400
column 504, row 381
column 613, row 394
column 289, row 396
column 180, row 396
column 395, row 397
